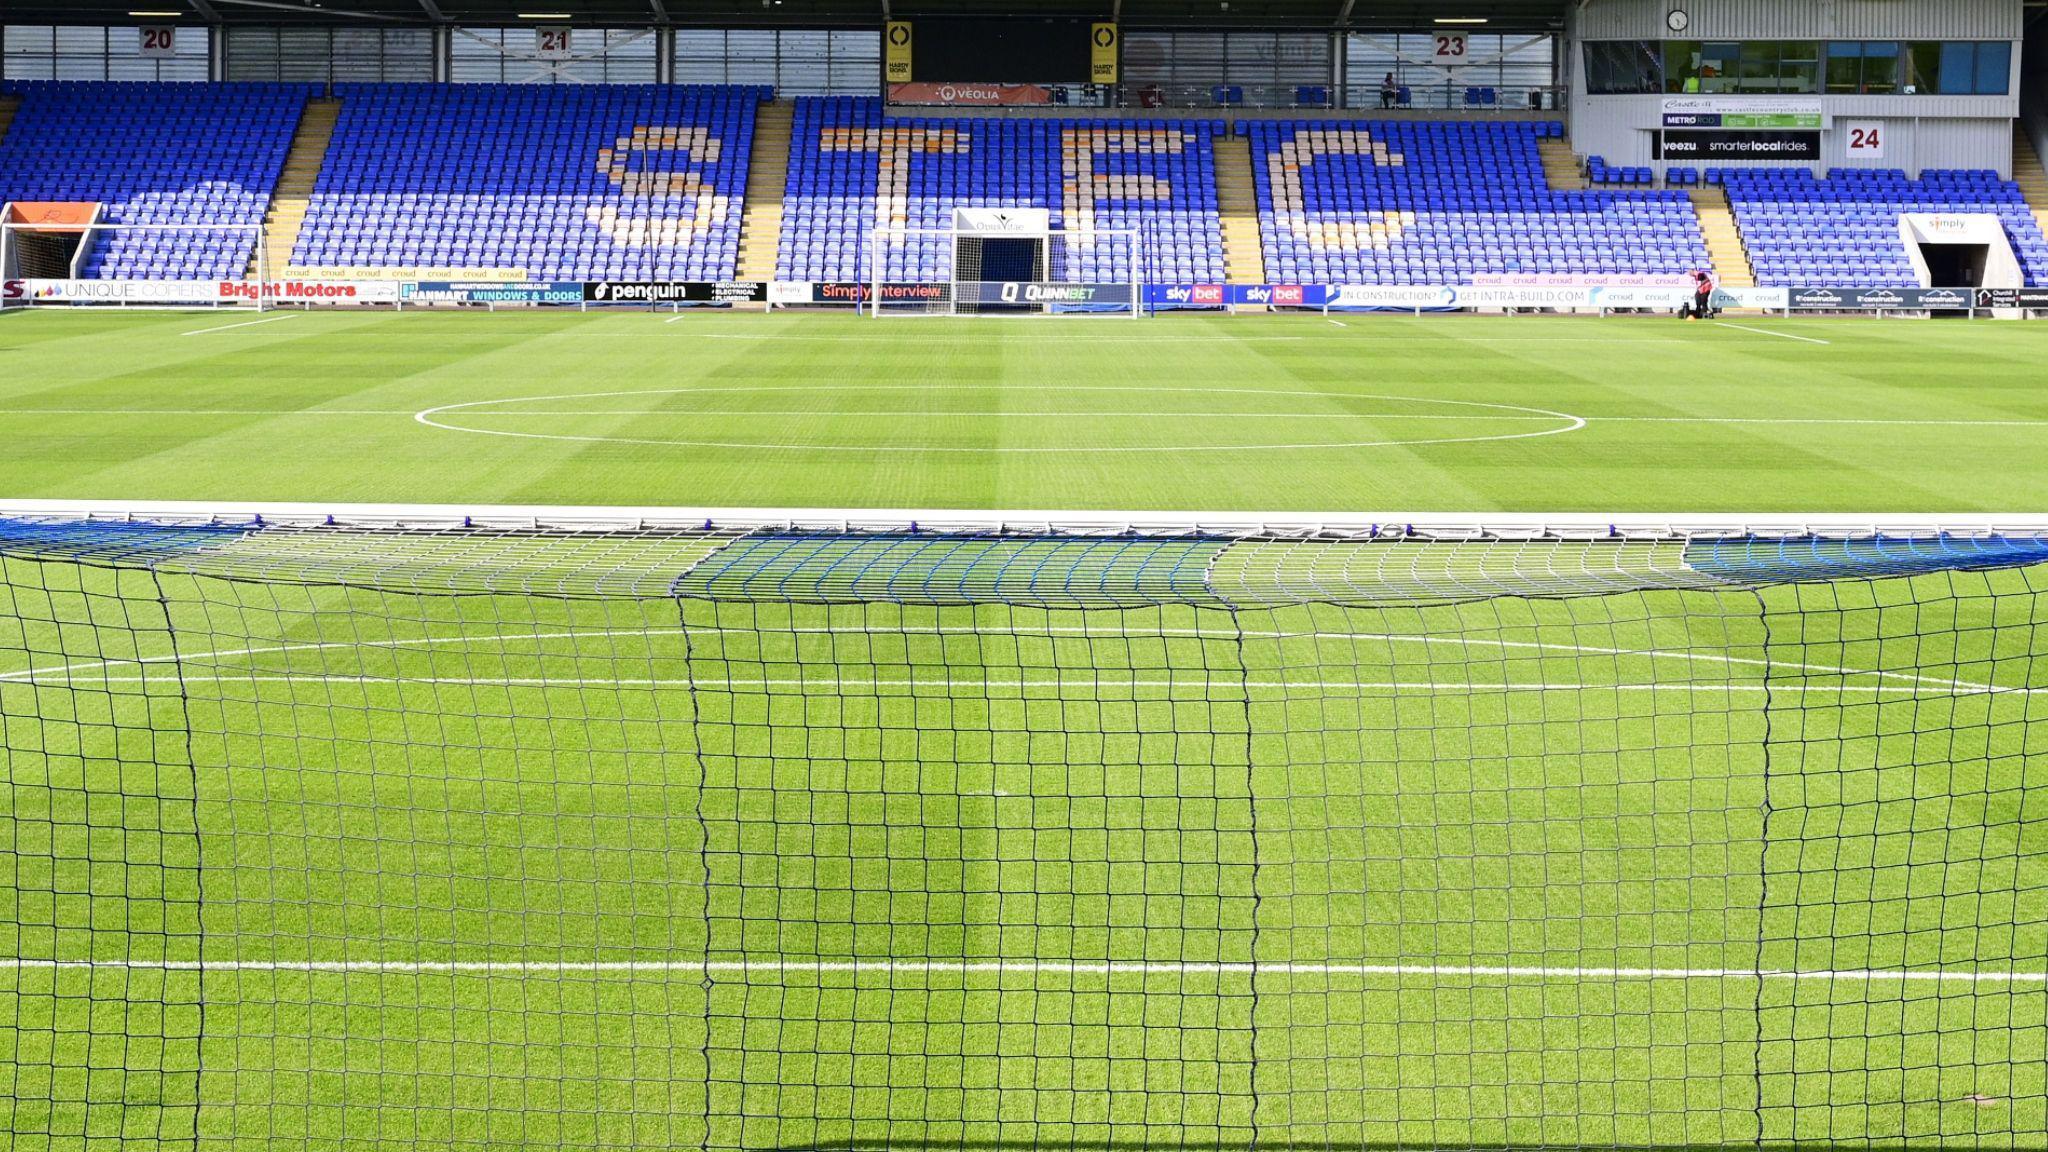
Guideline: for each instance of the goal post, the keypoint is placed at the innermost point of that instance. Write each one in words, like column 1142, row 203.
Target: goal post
column 137, row 265
column 774, row 829
column 956, row 272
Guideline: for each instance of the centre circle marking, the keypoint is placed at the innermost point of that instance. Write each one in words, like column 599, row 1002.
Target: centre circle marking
column 438, row 417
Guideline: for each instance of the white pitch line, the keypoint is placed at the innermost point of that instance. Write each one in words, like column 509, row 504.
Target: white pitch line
column 1768, row 332
column 1014, row 415
column 204, row 412
column 1078, row 680
column 826, row 341
column 1340, row 324
column 71, row 670
column 232, row 327
column 1042, row 967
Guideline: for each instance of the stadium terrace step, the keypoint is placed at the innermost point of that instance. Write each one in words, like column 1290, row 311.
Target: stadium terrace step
column 1561, row 165
column 2029, row 174
column 1237, row 204
column 1724, row 238
column 767, row 182
column 294, row 190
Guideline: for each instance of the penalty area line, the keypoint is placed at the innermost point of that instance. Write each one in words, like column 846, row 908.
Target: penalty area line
column 1041, row 967
column 1768, row 332
column 232, row 327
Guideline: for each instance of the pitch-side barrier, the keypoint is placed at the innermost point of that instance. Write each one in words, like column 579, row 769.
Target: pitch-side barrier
column 1535, row 294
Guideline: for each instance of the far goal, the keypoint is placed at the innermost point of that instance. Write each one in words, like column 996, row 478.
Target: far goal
column 1003, row 262
column 91, row 262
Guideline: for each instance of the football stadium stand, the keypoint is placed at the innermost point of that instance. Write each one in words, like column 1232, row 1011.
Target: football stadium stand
column 669, row 182
column 554, row 182
column 1440, row 202
column 853, row 171
column 1844, row 230
column 154, row 154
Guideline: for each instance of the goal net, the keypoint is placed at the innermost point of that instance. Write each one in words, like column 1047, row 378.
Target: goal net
column 955, row 272
column 399, row 828
column 136, row 265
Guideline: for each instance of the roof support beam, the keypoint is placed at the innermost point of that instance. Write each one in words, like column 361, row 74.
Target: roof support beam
column 205, row 11
column 660, row 11
column 310, row 10
column 433, row 11
column 1344, row 13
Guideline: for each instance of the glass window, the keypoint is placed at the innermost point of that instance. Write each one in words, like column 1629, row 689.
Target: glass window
column 1923, row 68
column 1623, row 67
column 1994, row 67
column 1958, row 69
column 318, row 54
column 1799, row 66
column 1880, row 67
column 1720, row 67
column 1845, row 66
column 513, row 56
column 77, row 52
column 1759, row 67
column 795, row 61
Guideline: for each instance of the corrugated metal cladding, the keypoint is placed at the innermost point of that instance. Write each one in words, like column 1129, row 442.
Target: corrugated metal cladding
column 1606, row 128
column 1805, row 19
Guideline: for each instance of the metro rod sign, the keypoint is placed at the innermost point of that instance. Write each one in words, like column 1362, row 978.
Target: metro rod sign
column 1694, row 128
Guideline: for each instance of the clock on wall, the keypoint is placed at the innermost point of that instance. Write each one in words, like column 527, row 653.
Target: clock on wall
column 1677, row 20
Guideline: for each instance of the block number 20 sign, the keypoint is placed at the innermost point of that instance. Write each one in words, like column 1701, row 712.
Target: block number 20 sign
column 159, row 41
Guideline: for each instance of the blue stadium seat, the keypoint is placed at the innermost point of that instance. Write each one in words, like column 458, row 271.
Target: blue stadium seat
column 1442, row 202
column 1843, row 231
column 637, row 181
column 853, row 168
column 155, row 154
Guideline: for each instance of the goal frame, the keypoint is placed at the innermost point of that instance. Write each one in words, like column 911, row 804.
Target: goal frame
column 881, row 239
column 258, row 293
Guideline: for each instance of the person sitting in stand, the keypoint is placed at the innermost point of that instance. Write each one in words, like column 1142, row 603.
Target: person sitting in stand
column 1390, row 92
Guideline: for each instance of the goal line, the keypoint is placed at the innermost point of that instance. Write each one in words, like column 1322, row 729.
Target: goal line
column 1044, row 967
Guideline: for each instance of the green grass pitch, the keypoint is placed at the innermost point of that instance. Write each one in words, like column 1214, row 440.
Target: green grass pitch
column 288, row 865
column 1283, row 413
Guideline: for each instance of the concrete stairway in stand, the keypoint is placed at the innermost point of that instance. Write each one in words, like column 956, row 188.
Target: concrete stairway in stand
column 2029, row 175
column 767, row 181
column 1724, row 238
column 294, row 192
column 1561, row 165
column 1237, row 205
